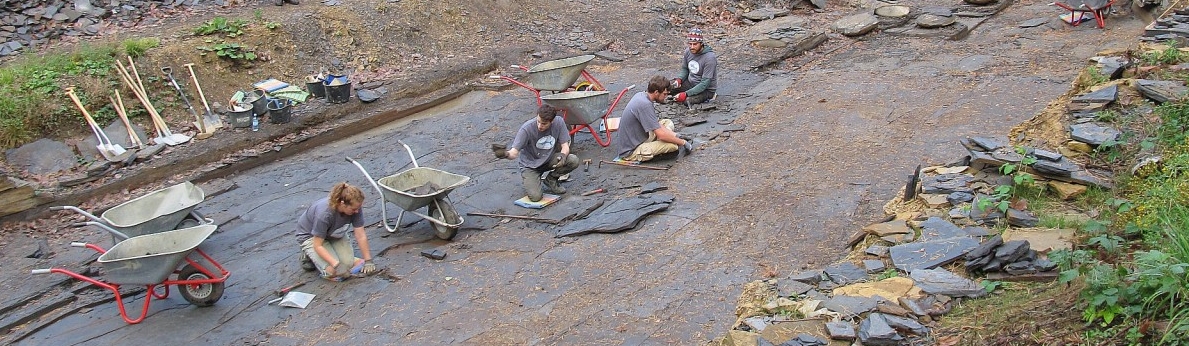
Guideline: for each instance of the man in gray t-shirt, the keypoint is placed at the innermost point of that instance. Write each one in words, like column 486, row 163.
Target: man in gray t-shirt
column 641, row 136
column 542, row 145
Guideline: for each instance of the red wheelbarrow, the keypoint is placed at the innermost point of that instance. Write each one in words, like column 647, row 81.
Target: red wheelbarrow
column 1078, row 9
column 150, row 260
column 582, row 108
column 556, row 76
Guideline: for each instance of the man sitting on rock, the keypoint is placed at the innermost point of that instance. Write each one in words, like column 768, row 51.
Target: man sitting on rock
column 698, row 81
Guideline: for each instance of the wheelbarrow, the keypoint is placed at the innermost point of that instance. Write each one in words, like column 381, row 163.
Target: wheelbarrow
column 150, row 260
column 582, row 108
column 416, row 188
column 556, row 76
column 162, row 210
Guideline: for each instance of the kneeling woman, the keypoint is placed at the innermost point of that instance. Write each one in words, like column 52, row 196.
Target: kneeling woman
column 324, row 240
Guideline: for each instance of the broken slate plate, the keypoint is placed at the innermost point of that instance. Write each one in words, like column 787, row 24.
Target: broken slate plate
column 617, row 216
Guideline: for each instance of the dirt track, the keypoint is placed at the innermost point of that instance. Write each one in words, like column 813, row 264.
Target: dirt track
column 827, row 139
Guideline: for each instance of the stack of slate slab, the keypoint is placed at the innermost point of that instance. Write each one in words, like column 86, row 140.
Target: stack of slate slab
column 1171, row 26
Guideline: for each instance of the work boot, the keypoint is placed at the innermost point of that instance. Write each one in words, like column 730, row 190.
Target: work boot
column 295, row 2
column 306, row 263
column 553, row 185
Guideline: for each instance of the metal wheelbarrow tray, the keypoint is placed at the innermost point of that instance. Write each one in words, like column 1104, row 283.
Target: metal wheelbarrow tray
column 157, row 211
column 582, row 108
column 400, row 189
column 557, row 75
column 149, row 260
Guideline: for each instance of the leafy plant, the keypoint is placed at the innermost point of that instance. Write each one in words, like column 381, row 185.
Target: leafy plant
column 990, row 285
column 230, row 51
column 222, row 25
column 272, row 25
column 888, row 274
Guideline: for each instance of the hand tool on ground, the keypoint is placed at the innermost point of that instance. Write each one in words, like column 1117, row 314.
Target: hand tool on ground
column 203, row 133
column 118, row 103
column 164, row 136
column 591, row 192
column 110, row 151
column 283, row 291
column 522, row 217
column 633, row 165
column 586, row 165
column 209, row 119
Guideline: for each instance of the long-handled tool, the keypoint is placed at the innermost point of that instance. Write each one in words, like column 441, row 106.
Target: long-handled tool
column 118, row 103
column 209, row 119
column 203, row 133
column 633, row 165
column 282, row 292
column 164, row 136
column 110, row 151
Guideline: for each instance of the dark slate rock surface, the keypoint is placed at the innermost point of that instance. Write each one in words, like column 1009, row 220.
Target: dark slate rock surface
column 1021, row 218
column 1161, row 91
column 930, row 254
column 43, row 156
column 790, row 288
column 987, row 143
column 617, row 216
column 875, row 331
column 906, row 325
column 946, row 183
column 845, row 273
column 874, row 266
column 1105, row 95
column 808, row 277
column 850, row 306
column 1012, row 250
column 941, row 281
column 1061, row 168
column 935, row 228
column 984, row 249
column 877, row 250
column 841, row 330
column 1093, row 134
column 804, row 339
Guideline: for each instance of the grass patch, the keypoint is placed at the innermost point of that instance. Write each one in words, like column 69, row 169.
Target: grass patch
column 32, row 102
column 1023, row 314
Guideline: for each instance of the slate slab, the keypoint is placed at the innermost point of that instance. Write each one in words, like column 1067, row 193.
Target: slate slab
column 875, row 331
column 943, row 282
column 1105, row 95
column 844, row 273
column 850, row 306
column 1093, row 134
column 930, row 254
column 946, row 183
column 618, row 215
column 43, row 156
column 936, row 228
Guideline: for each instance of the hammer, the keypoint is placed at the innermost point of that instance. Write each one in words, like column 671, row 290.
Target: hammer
column 282, row 292
column 586, row 165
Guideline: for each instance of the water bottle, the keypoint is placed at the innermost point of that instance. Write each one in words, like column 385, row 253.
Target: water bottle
column 255, row 123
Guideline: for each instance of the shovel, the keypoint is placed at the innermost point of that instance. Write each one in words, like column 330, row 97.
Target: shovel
column 163, row 134
column 210, row 121
column 203, row 132
column 111, row 152
column 118, row 103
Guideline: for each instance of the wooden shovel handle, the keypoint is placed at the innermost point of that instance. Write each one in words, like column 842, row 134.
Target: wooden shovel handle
column 199, row 87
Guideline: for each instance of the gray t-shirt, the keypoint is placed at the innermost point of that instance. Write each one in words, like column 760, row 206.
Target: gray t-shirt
column 703, row 66
column 319, row 220
column 536, row 147
column 638, row 119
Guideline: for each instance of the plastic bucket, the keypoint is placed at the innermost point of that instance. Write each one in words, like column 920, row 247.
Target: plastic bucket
column 338, row 93
column 279, row 111
column 332, row 80
column 240, row 119
column 259, row 101
column 315, row 87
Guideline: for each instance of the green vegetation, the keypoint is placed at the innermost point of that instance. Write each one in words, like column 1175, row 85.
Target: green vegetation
column 32, row 103
column 1134, row 259
column 222, row 26
column 234, row 52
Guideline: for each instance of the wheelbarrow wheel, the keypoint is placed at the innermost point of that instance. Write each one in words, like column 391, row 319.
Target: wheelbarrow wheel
column 442, row 210
column 199, row 295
